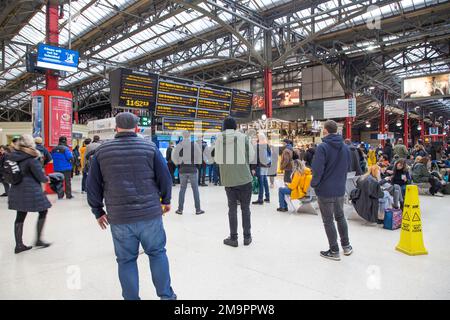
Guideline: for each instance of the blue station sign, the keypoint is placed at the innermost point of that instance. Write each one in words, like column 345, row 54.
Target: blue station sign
column 57, row 58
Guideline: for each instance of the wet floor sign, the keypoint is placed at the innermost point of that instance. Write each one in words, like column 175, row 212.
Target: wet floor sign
column 411, row 239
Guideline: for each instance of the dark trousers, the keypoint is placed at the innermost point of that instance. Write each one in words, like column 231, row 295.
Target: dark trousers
column 83, row 181
column 202, row 173
column 172, row 168
column 436, row 185
column 68, row 182
column 334, row 208
column 6, row 186
column 243, row 194
column 21, row 215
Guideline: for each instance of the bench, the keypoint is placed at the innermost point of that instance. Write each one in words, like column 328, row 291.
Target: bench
column 306, row 203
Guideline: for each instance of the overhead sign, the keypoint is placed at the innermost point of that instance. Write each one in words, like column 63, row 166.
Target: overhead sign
column 433, row 131
column 339, row 108
column 433, row 86
column 170, row 124
column 57, row 58
column 175, row 97
column 133, row 90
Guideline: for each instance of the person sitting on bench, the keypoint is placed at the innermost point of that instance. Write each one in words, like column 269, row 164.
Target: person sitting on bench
column 297, row 189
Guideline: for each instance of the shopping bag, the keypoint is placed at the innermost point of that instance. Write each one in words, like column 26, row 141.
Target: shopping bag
column 255, row 185
column 392, row 219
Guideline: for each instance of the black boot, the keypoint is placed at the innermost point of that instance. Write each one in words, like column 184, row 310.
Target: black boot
column 18, row 232
column 39, row 242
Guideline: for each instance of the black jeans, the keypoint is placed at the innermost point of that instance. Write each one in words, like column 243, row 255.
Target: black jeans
column 334, row 208
column 83, row 181
column 202, row 173
column 172, row 168
column 243, row 194
column 6, row 186
column 68, row 181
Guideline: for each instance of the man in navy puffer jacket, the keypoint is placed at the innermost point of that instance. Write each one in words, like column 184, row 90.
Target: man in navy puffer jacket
column 131, row 176
column 331, row 162
column 62, row 162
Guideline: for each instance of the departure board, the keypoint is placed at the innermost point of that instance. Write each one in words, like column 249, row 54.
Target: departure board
column 213, row 105
column 216, row 94
column 132, row 89
column 212, row 115
column 175, row 100
column 241, row 104
column 171, row 87
column 171, row 111
column 190, row 125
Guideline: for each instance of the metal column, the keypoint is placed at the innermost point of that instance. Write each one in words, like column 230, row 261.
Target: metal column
column 52, row 31
column 406, row 126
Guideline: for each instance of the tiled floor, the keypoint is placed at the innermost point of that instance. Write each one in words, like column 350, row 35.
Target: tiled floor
column 283, row 262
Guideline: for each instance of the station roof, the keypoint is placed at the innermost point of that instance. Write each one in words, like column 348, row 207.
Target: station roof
column 173, row 36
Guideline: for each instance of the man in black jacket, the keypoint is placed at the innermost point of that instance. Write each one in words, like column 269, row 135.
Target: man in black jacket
column 187, row 155
column 170, row 163
column 354, row 156
column 131, row 175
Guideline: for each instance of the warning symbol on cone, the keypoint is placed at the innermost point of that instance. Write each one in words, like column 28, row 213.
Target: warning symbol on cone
column 411, row 239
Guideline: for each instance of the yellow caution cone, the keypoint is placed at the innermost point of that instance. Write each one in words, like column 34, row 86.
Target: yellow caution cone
column 411, row 240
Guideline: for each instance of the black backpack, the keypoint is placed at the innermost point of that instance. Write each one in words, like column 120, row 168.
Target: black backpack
column 11, row 172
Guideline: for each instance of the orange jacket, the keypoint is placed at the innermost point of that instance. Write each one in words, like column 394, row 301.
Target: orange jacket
column 82, row 152
column 300, row 184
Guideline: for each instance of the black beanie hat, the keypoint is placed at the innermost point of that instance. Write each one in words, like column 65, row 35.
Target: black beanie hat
column 229, row 123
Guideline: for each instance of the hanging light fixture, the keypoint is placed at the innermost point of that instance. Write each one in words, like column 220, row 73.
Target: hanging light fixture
column 419, row 127
column 399, row 123
column 368, row 125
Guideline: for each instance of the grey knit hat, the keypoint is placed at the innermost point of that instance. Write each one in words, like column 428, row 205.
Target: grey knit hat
column 126, row 120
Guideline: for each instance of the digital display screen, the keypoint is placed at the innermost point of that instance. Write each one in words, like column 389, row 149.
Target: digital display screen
column 241, row 104
column 171, row 87
column 214, row 105
column 215, row 94
column 175, row 100
column 134, row 90
column 171, row 111
column 190, row 125
column 211, row 115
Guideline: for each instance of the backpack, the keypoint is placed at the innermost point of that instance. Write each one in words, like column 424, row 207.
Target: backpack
column 11, row 172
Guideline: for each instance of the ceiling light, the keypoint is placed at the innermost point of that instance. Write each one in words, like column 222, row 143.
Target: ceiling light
column 263, row 117
column 372, row 88
column 419, row 127
column 399, row 123
column 225, row 78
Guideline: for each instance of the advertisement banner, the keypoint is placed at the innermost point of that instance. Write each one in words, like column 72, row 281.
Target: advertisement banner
column 38, row 115
column 426, row 87
column 57, row 58
column 60, row 120
column 281, row 99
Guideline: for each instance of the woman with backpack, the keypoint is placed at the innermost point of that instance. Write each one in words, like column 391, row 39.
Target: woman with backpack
column 26, row 194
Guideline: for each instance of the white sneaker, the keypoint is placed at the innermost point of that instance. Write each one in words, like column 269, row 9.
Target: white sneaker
column 439, row 194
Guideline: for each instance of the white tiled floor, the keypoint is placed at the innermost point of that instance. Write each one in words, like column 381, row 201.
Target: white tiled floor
column 282, row 263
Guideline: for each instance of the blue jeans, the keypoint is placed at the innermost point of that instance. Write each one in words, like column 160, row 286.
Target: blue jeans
column 151, row 235
column 281, row 193
column 263, row 185
column 216, row 173
column 184, row 179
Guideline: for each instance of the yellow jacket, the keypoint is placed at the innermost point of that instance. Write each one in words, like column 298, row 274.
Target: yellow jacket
column 371, row 158
column 300, row 184
column 82, row 152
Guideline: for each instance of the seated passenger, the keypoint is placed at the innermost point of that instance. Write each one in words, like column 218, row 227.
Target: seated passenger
column 297, row 189
column 371, row 158
column 368, row 196
column 420, row 174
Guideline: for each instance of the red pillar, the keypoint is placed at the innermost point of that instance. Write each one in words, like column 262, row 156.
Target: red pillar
column 406, row 127
column 422, row 132
column 268, row 92
column 52, row 39
column 348, row 122
column 382, row 123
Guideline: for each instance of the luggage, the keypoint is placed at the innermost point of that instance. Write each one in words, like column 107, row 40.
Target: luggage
column 392, row 219
column 446, row 188
column 57, row 183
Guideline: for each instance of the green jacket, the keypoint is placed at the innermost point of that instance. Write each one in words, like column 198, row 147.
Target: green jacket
column 234, row 153
column 420, row 173
column 401, row 151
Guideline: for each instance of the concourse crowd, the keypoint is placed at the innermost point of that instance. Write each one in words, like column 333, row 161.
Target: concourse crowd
column 129, row 182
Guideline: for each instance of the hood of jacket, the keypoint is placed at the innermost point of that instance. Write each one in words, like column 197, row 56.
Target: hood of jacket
column 22, row 153
column 333, row 140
